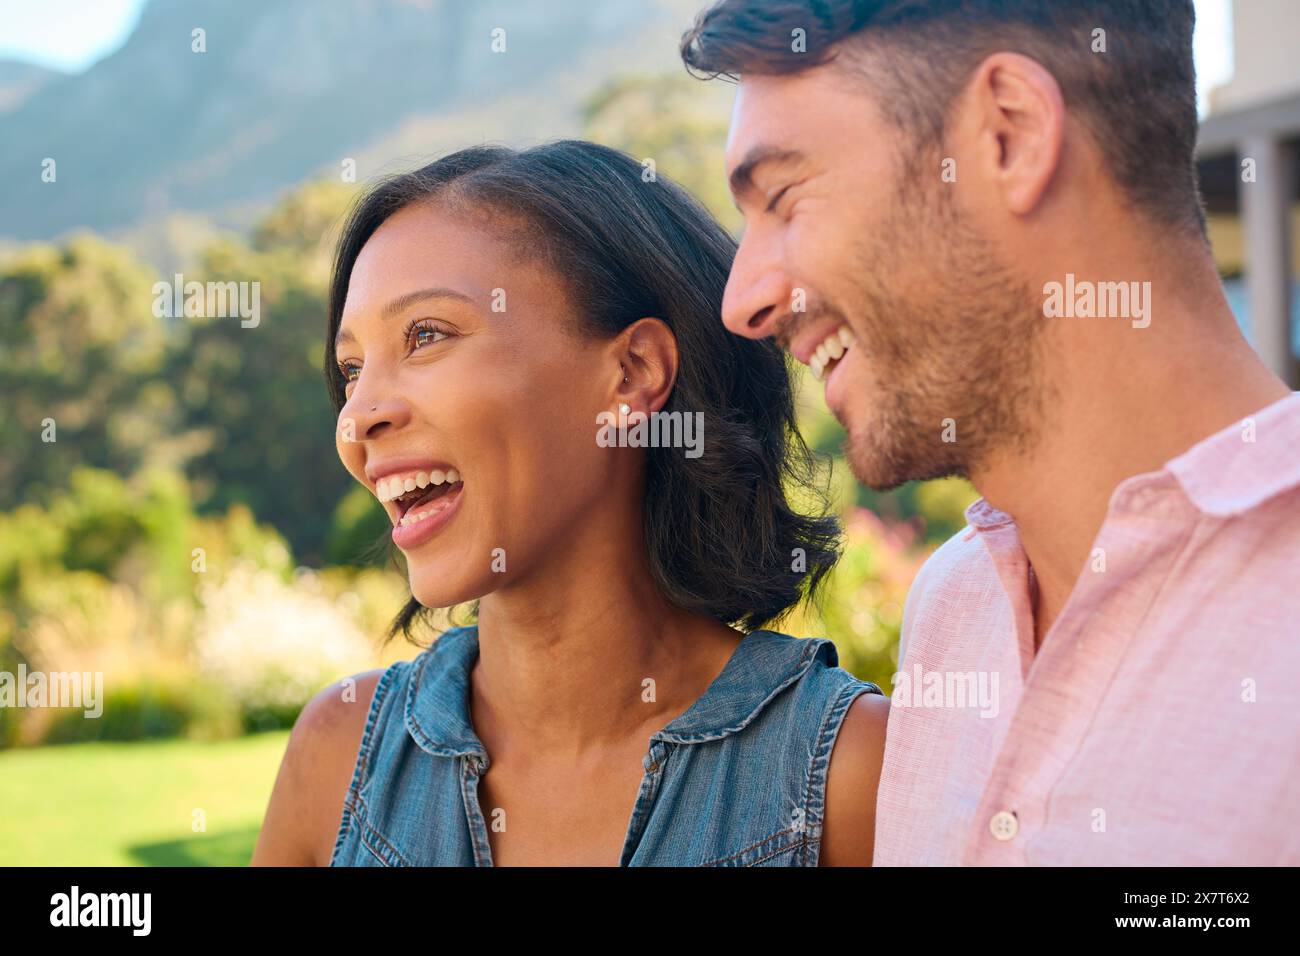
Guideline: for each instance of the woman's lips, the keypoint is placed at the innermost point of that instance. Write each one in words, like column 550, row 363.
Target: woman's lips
column 423, row 521
column 419, row 501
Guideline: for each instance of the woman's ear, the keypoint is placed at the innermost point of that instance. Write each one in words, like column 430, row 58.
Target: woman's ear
column 646, row 352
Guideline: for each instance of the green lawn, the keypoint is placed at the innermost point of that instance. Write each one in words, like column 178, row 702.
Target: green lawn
column 132, row 804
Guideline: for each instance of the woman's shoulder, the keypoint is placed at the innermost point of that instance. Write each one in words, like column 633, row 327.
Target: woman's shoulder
column 812, row 664
column 818, row 686
column 306, row 804
column 343, row 724
column 337, row 716
column 851, row 716
column 852, row 781
column 326, row 755
column 333, row 722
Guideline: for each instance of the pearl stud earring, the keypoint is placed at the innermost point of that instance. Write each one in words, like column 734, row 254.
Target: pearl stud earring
column 624, row 408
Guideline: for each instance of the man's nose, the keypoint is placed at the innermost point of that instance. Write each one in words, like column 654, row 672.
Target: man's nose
column 757, row 295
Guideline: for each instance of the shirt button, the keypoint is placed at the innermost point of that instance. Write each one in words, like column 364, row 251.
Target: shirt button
column 1004, row 825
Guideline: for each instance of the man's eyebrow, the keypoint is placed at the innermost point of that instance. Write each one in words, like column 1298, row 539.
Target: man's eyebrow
column 404, row 302
column 742, row 177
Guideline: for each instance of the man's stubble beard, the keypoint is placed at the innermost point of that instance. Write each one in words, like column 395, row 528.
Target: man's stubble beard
column 963, row 363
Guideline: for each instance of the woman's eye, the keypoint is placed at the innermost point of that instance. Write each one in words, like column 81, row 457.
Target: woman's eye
column 427, row 336
column 419, row 335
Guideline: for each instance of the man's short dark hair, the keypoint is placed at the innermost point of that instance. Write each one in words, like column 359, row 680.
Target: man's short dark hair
column 1137, row 98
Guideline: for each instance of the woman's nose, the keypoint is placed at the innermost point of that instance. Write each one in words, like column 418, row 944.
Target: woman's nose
column 370, row 415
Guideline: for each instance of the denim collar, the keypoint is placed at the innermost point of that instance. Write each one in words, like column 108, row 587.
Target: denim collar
column 763, row 664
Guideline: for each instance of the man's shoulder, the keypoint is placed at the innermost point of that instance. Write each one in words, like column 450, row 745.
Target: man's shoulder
column 962, row 560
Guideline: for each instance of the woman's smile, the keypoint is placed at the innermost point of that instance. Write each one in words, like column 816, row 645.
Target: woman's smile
column 427, row 515
column 420, row 497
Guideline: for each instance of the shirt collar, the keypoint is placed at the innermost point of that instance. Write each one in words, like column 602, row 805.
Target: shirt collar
column 763, row 664
column 1228, row 473
column 1245, row 464
column 982, row 516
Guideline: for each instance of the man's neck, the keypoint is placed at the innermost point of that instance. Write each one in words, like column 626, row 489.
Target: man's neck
column 1122, row 401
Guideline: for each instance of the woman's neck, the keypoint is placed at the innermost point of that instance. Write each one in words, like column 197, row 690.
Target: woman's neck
column 584, row 650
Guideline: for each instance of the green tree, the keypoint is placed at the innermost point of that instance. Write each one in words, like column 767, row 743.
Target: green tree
column 80, row 349
column 256, row 392
column 674, row 120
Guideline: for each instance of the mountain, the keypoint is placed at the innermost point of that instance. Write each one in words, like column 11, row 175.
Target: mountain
column 19, row 80
column 290, row 89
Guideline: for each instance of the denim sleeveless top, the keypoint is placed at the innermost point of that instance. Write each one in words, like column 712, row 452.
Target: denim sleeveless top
column 739, row 779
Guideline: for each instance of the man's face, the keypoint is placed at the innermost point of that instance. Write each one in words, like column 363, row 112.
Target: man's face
column 857, row 258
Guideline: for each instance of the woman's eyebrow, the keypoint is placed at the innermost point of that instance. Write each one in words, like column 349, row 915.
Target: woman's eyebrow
column 438, row 292
column 405, row 301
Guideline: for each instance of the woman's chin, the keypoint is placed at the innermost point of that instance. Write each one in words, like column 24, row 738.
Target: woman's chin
column 434, row 587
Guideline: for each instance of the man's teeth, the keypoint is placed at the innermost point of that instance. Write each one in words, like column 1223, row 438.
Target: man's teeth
column 833, row 347
column 386, row 489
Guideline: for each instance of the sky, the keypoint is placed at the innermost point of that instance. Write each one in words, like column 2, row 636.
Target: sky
column 70, row 35
column 67, row 35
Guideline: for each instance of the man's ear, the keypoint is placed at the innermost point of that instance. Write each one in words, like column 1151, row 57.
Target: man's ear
column 1015, row 123
column 646, row 356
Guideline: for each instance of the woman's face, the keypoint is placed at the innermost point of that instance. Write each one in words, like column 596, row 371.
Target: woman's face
column 468, row 382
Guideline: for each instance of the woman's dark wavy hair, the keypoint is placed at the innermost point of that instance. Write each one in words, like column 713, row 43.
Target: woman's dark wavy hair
column 722, row 536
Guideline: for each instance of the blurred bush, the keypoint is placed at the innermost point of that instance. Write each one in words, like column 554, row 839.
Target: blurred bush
column 861, row 606
column 199, row 625
column 272, row 645
column 360, row 531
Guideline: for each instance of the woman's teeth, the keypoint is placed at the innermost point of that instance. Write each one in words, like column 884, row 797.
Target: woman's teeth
column 412, row 519
column 832, row 348
column 386, row 489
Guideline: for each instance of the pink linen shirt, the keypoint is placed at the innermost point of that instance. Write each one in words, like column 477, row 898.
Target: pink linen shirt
column 1158, row 723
